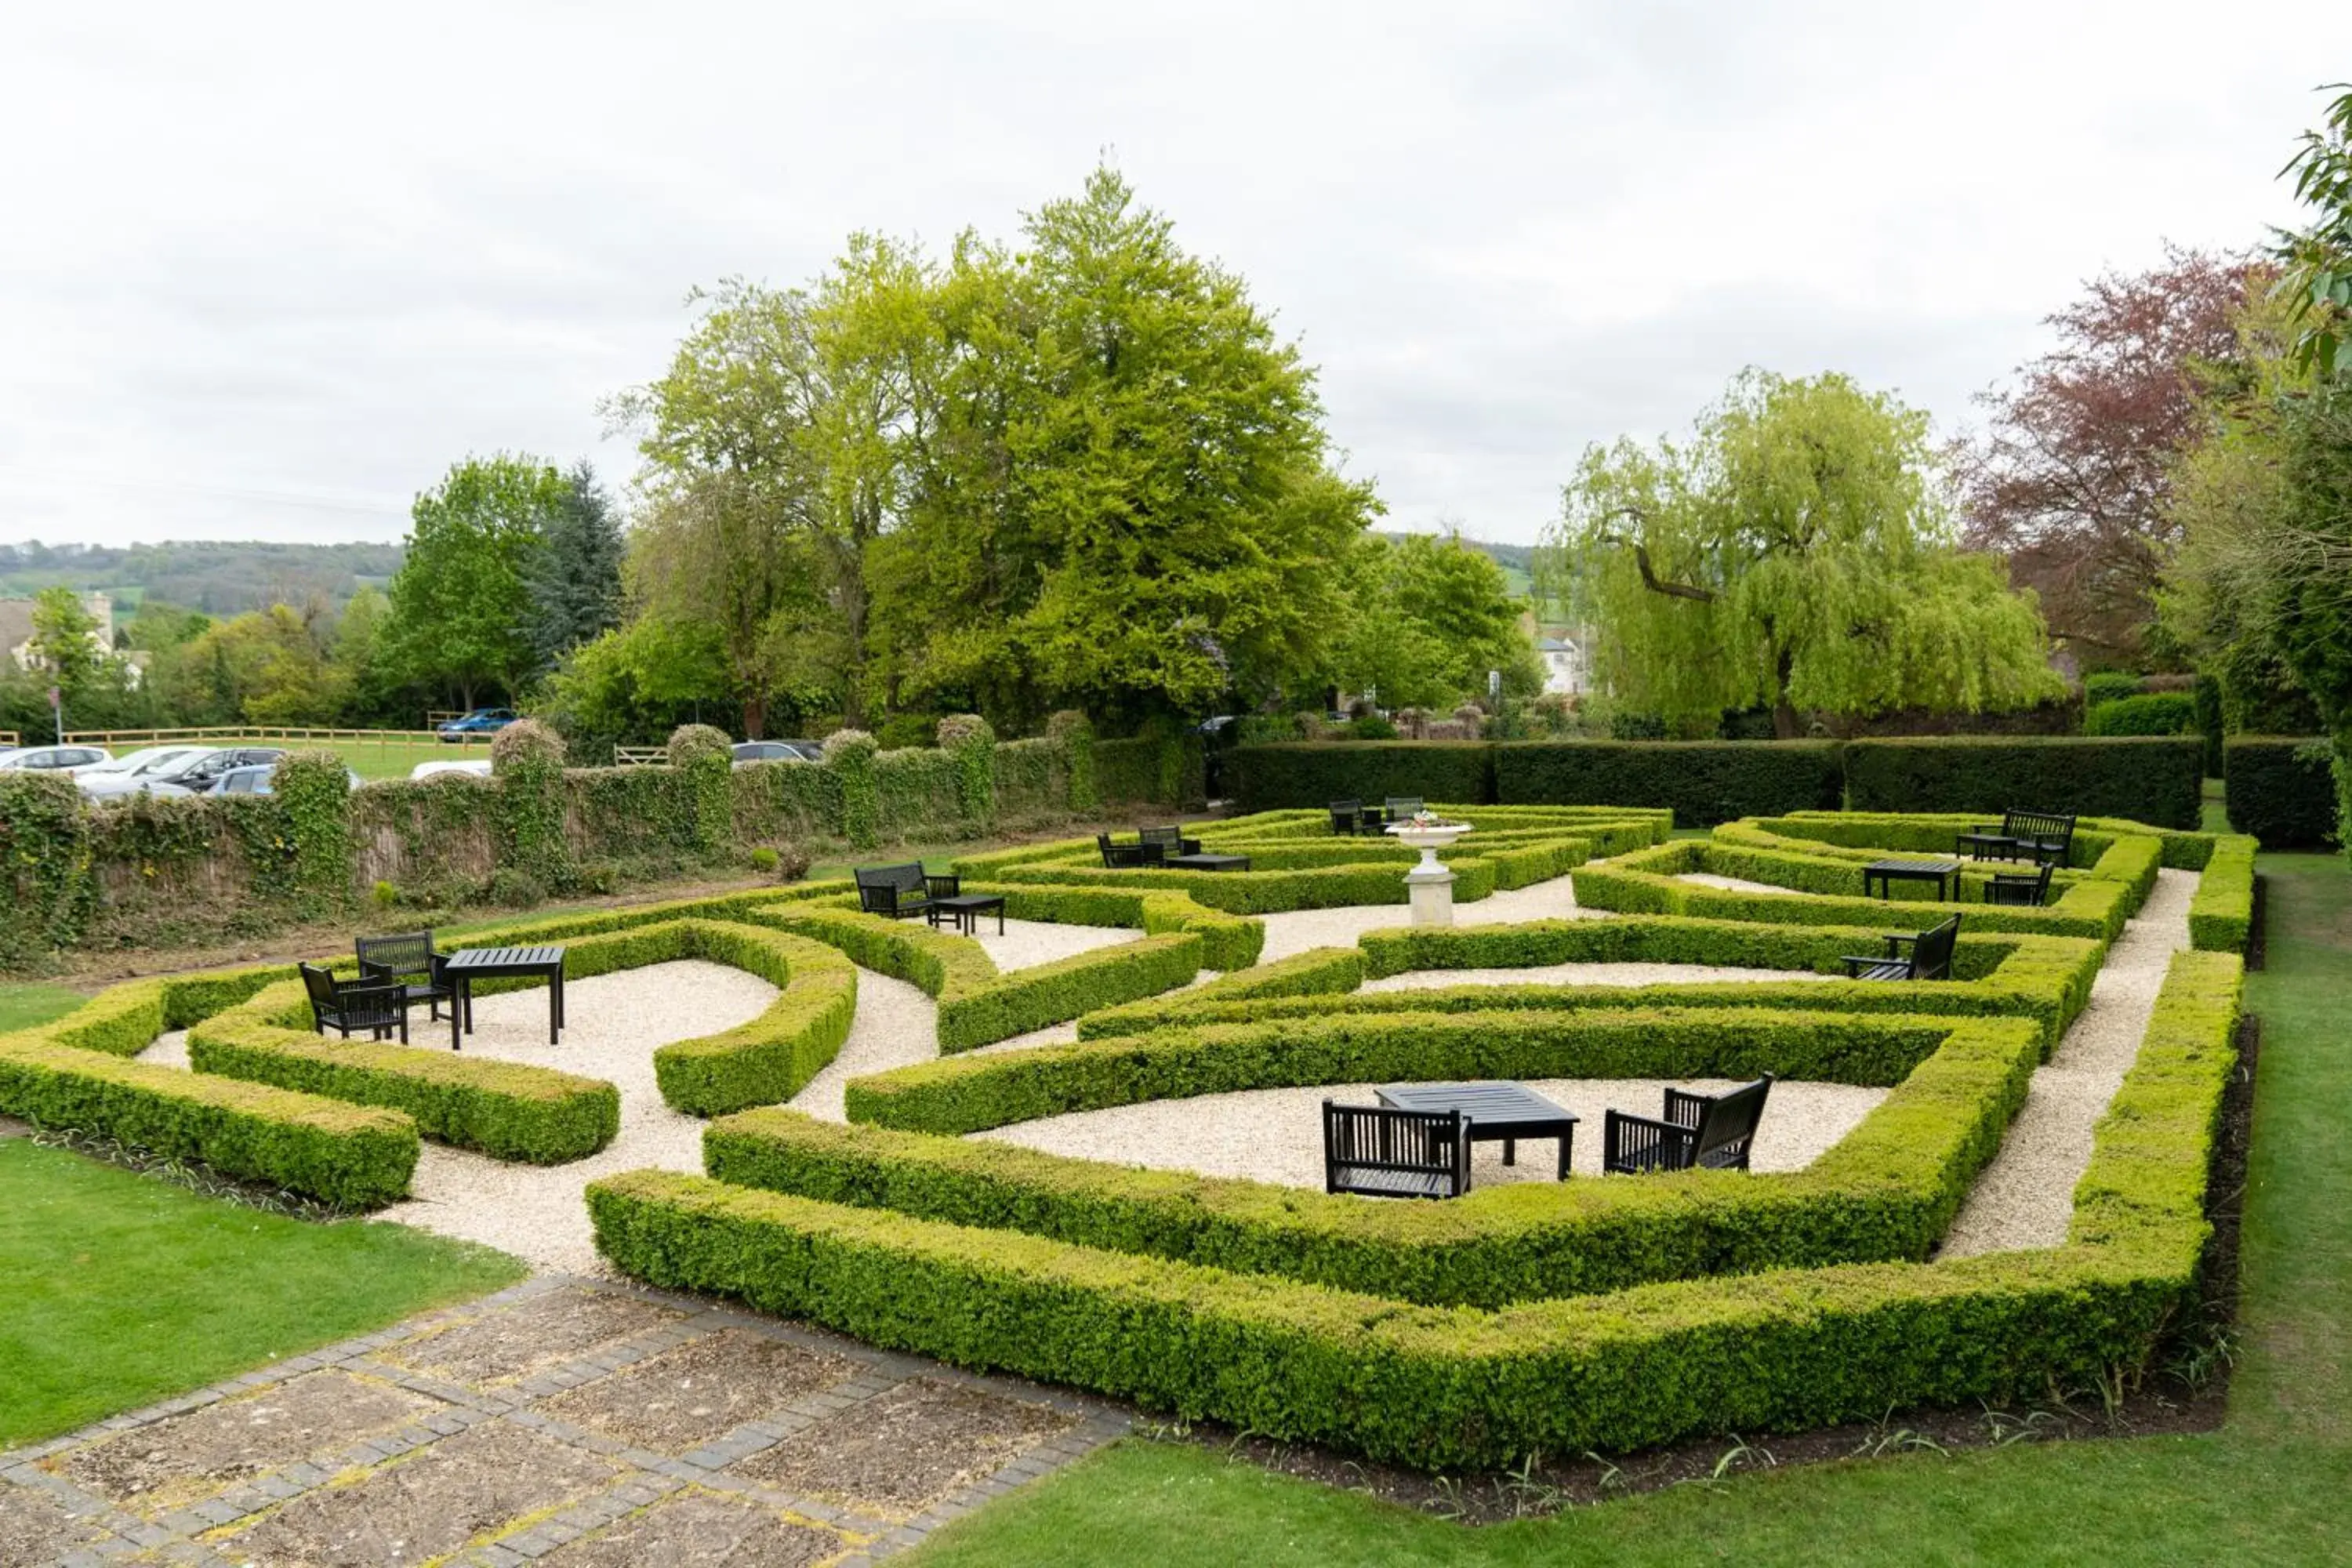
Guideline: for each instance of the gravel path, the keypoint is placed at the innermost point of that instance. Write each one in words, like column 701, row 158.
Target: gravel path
column 536, row 1212
column 1276, row 1134
column 897, row 1025
column 1729, row 884
column 1302, row 928
column 2026, row 1196
column 1027, row 943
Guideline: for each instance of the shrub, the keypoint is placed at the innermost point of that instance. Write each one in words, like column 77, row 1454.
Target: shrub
column 1440, row 1387
column 701, row 761
column 384, row 895
column 850, row 754
column 2157, row 781
column 2148, row 713
column 1704, row 781
column 1310, row 774
column 312, row 790
column 528, row 806
column 44, row 865
column 1372, row 727
column 971, row 743
column 1319, row 972
column 2221, row 913
column 2109, row 686
column 1078, row 737
column 765, row 859
column 516, row 889
column 2281, row 791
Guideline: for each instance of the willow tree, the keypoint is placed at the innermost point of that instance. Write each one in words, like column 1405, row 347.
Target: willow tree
column 1796, row 552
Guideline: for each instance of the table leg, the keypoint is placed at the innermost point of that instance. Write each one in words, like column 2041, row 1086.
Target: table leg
column 1566, row 1137
column 1000, row 920
column 1510, row 1151
column 456, row 1012
column 555, row 1009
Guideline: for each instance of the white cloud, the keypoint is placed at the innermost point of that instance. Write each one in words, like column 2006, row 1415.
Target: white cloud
column 266, row 271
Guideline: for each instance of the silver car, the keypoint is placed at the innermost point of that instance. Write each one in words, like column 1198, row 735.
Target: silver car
column 54, row 759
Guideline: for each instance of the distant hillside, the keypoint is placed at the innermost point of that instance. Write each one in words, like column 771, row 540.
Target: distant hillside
column 1517, row 560
column 220, row 578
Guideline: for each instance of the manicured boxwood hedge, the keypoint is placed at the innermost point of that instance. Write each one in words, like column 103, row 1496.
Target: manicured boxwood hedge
column 1319, row 972
column 1440, row 1387
column 2156, row 781
column 1705, row 781
column 350, row 1155
column 2221, row 913
column 1888, row 1190
column 2280, row 790
column 2143, row 713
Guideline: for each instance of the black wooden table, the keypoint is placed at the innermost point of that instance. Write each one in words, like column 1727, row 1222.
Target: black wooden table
column 1992, row 846
column 965, row 909
column 1208, row 862
column 462, row 969
column 1509, row 1111
column 1887, row 872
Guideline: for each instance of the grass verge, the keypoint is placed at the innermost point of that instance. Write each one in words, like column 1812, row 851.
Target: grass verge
column 122, row 1289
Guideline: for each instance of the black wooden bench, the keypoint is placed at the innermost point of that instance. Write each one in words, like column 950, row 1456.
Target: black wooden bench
column 406, row 960
column 1167, row 842
column 1123, row 856
column 2043, row 835
column 1383, row 1152
column 348, row 1006
column 1712, row 1131
column 2031, row 889
column 897, row 892
column 1347, row 818
column 1930, row 957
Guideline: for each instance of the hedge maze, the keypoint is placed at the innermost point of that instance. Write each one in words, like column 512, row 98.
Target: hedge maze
column 1602, row 1315
column 1591, row 1315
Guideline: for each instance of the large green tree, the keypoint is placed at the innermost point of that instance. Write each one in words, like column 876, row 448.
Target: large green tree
column 572, row 573
column 461, row 610
column 1426, row 620
column 1796, row 552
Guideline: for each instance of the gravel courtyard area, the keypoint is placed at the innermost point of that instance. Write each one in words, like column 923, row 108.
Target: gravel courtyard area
column 2026, row 1196
column 1276, row 1134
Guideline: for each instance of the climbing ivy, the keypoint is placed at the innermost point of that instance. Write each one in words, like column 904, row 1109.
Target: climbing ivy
column 971, row 743
column 312, row 792
column 527, row 811
column 850, row 754
column 44, row 865
column 703, row 764
column 1077, row 736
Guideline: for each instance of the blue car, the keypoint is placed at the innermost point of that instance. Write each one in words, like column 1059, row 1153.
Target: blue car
column 481, row 722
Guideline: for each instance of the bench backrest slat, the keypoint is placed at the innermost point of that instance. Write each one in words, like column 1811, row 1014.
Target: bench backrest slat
column 1729, row 1126
column 1931, row 955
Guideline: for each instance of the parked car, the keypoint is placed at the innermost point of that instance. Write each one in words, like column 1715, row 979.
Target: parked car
column 471, row 765
column 255, row 779
column 53, row 759
column 481, row 722
column 138, row 763
column 192, row 774
column 778, row 751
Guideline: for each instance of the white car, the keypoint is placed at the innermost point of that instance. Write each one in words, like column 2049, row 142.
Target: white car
column 428, row 769
column 136, row 764
column 54, row 759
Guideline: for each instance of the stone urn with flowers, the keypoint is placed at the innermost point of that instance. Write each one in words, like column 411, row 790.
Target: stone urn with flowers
column 1429, row 886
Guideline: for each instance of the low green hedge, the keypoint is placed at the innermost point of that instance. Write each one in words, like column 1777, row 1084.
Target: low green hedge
column 1704, row 781
column 2143, row 713
column 345, row 1154
column 2158, row 781
column 2281, row 791
column 507, row 1109
column 2179, row 850
column 1446, row 1387
column 1888, row 1190
column 1227, row 941
column 973, row 1094
column 1647, row 883
column 978, row 1006
column 2221, row 913
column 1319, row 972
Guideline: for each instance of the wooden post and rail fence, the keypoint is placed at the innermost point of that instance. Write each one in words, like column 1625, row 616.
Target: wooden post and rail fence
column 232, row 734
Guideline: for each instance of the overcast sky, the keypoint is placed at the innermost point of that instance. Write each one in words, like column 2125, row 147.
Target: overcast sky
column 266, row 272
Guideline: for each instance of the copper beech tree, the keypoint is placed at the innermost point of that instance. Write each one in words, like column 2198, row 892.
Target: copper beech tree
column 2071, row 476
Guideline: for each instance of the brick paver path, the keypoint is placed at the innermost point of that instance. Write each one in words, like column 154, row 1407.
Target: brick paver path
column 572, row 1423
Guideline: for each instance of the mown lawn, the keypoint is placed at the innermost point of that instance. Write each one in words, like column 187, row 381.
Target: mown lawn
column 2267, row 1489
column 117, row 1289
column 22, row 1007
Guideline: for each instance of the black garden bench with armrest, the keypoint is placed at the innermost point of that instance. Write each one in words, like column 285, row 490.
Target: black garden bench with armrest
column 348, row 1006
column 1930, row 957
column 1712, row 1131
column 2042, row 836
column 1383, row 1152
column 898, row 891
column 1346, row 817
column 1169, row 841
column 1124, row 857
column 406, row 960
column 2031, row 889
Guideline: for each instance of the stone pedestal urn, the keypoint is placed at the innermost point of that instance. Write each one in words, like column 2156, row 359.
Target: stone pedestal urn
column 1430, row 885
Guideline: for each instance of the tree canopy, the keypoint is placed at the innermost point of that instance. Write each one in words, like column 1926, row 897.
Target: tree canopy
column 1796, row 553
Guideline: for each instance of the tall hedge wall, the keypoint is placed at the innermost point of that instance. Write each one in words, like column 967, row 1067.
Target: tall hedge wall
column 1169, row 770
column 1314, row 774
column 2281, row 790
column 1705, row 781
column 2157, row 781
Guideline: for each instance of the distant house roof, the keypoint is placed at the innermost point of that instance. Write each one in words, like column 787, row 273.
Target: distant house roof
column 1553, row 645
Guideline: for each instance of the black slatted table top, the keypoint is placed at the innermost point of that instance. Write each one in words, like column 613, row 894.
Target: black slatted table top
column 481, row 958
column 1489, row 1104
column 1943, row 867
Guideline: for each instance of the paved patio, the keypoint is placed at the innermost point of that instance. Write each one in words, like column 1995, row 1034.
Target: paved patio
column 567, row 1422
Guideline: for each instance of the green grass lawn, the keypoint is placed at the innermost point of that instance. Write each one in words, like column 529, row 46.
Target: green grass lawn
column 22, row 1007
column 2266, row 1489
column 117, row 1289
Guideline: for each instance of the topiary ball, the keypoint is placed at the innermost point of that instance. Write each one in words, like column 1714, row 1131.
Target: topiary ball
column 690, row 742
column 526, row 744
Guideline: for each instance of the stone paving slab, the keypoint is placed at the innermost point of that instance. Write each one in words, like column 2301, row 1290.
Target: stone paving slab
column 583, row 1423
